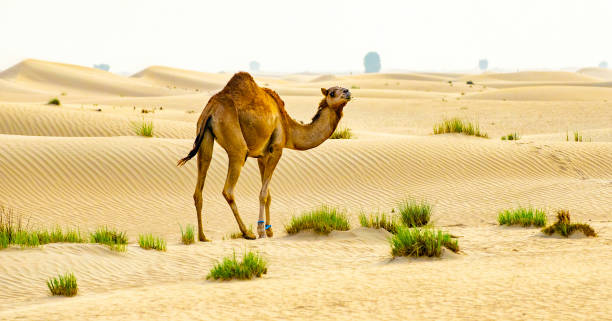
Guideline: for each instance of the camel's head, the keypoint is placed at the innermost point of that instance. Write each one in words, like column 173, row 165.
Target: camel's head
column 336, row 96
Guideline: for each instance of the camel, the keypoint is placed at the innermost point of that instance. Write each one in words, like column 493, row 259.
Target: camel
column 251, row 121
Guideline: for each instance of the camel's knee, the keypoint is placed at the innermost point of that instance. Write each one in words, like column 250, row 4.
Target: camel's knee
column 228, row 195
column 263, row 197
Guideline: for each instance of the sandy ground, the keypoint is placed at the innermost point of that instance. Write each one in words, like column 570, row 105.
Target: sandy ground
column 80, row 164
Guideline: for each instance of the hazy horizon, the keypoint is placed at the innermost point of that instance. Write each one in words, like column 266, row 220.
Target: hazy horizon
column 308, row 37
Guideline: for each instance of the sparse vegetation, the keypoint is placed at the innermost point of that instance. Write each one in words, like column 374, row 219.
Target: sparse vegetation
column 144, row 128
column 354, row 87
column 252, row 265
column 188, row 236
column 456, row 125
column 522, row 216
column 322, row 220
column 469, row 82
column 421, row 242
column 148, row 241
column 65, row 285
column 577, row 137
column 342, row 133
column 190, row 111
column 565, row 227
column 54, row 101
column 116, row 241
column 413, row 213
column 511, row 136
column 238, row 234
column 13, row 231
column 389, row 223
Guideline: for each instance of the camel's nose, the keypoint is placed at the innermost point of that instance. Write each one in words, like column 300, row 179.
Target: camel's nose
column 345, row 91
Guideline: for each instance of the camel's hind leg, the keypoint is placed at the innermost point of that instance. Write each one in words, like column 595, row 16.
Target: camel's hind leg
column 204, row 157
column 233, row 173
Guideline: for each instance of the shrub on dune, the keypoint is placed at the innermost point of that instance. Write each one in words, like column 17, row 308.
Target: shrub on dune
column 117, row 241
column 413, row 213
column 456, row 125
column 389, row 223
column 522, row 216
column 322, row 220
column 251, row 265
column 565, row 227
column 54, row 101
column 148, row 241
column 188, row 235
column 65, row 285
column 342, row 133
column 418, row 242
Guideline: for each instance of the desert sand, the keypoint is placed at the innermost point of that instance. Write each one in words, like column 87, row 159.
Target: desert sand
column 82, row 165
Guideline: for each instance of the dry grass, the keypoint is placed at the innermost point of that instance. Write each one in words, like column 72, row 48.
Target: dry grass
column 565, row 227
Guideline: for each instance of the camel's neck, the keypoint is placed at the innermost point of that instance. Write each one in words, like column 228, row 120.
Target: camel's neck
column 302, row 137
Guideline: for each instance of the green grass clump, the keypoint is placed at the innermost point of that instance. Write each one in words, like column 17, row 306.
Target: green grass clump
column 238, row 234
column 522, row 216
column 342, row 133
column 143, row 128
column 54, row 101
column 383, row 221
column 148, row 241
column 117, row 241
column 413, row 213
column 188, row 235
column 252, row 265
column 456, row 125
column 469, row 82
column 511, row 136
column 565, row 227
column 13, row 231
column 354, row 87
column 322, row 220
column 65, row 285
column 421, row 242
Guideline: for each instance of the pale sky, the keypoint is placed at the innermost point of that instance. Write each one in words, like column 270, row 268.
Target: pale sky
column 296, row 36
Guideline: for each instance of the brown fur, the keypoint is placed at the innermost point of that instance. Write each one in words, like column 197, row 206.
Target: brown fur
column 250, row 121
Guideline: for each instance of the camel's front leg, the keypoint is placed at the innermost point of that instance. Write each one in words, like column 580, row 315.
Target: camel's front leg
column 266, row 168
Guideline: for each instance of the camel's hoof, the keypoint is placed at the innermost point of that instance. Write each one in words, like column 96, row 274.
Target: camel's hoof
column 269, row 232
column 203, row 238
column 248, row 236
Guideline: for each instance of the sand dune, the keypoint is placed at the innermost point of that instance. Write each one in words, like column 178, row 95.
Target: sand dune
column 547, row 93
column 82, row 164
column 601, row 73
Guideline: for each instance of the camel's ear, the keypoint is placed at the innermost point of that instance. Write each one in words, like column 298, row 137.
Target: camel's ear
column 324, row 91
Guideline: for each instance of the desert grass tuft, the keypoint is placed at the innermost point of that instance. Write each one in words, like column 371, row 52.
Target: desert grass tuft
column 65, row 285
column 14, row 231
column 117, row 241
column 511, row 136
column 252, row 265
column 322, row 220
column 456, row 125
column 389, row 223
column 522, row 216
column 238, row 234
column 342, row 133
column 188, row 235
column 143, row 128
column 414, row 213
column 565, row 227
column 421, row 242
column 148, row 241
column 54, row 101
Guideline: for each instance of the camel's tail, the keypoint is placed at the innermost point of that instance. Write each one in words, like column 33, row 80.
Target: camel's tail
column 196, row 143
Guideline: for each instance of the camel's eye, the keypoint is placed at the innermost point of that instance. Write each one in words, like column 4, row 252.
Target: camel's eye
column 332, row 94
